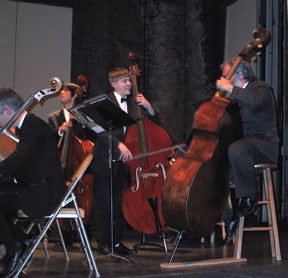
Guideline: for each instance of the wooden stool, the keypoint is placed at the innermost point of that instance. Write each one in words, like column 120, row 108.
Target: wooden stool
column 268, row 200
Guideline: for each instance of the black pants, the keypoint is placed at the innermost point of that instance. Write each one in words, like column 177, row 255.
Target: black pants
column 9, row 204
column 102, row 204
column 243, row 155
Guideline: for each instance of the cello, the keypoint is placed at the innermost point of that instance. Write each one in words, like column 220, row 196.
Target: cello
column 141, row 202
column 196, row 188
column 73, row 151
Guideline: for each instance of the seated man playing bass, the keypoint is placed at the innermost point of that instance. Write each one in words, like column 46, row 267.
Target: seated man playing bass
column 260, row 138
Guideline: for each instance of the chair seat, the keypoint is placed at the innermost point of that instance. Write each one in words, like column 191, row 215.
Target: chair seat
column 64, row 213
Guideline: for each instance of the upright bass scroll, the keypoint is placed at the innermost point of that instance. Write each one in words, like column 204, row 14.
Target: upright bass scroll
column 8, row 139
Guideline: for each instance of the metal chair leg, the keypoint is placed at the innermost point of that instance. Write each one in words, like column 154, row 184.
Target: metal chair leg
column 85, row 240
column 62, row 240
column 43, row 240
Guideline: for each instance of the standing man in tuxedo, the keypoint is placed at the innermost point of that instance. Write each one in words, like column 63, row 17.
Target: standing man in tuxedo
column 120, row 81
column 31, row 178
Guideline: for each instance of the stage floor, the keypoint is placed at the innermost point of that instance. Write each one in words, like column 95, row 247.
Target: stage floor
column 149, row 260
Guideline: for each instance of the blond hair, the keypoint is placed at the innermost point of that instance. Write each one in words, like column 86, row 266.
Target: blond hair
column 117, row 73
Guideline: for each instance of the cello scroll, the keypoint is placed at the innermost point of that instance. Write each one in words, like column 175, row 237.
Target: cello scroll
column 8, row 139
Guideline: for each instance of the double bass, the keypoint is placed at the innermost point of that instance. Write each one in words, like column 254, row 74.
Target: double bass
column 196, row 188
column 74, row 149
column 141, row 202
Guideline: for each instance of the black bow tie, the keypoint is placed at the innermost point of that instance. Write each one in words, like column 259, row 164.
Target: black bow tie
column 123, row 99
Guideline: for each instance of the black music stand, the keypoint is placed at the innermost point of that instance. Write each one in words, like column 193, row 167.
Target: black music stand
column 104, row 112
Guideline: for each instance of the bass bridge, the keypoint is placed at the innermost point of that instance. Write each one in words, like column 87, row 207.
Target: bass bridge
column 146, row 176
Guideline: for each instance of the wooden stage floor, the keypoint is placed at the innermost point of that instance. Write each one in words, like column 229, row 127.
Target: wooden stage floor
column 147, row 262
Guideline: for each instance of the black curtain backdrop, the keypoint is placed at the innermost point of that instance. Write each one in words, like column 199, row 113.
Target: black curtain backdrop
column 180, row 45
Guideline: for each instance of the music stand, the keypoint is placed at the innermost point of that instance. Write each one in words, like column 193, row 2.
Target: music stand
column 104, row 112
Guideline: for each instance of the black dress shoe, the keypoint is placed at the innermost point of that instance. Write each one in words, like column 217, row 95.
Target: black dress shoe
column 246, row 206
column 13, row 260
column 3, row 263
column 29, row 241
column 121, row 249
column 4, row 260
column 230, row 231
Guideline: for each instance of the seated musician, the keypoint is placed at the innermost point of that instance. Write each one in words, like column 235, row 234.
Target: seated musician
column 120, row 81
column 31, row 178
column 260, row 138
column 59, row 120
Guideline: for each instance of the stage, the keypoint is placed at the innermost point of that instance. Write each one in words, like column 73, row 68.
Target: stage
column 150, row 261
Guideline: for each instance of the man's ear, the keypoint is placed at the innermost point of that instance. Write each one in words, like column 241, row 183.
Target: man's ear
column 112, row 83
column 8, row 110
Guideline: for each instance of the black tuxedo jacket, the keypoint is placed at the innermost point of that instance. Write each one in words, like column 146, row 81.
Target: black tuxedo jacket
column 36, row 166
column 100, row 163
column 57, row 118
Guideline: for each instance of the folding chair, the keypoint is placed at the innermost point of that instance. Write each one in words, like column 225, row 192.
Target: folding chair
column 70, row 213
column 64, row 213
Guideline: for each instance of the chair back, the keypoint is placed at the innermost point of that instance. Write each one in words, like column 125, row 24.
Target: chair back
column 77, row 176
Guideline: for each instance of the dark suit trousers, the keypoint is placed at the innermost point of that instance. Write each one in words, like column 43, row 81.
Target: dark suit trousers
column 102, row 204
column 243, row 155
column 9, row 204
